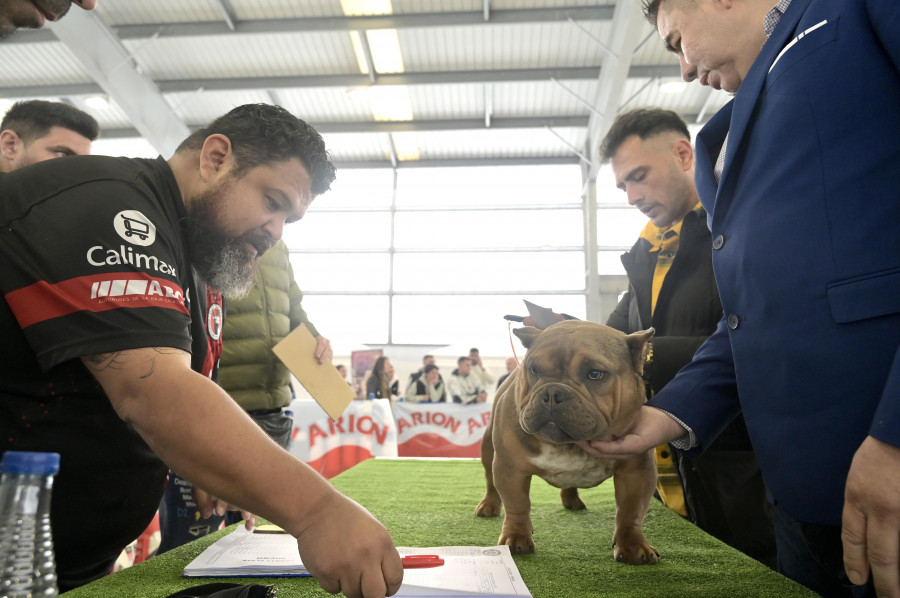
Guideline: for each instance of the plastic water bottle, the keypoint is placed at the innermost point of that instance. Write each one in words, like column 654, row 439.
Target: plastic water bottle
column 371, row 396
column 27, row 566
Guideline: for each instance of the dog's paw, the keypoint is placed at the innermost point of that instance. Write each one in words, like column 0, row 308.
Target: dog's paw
column 518, row 543
column 487, row 508
column 641, row 553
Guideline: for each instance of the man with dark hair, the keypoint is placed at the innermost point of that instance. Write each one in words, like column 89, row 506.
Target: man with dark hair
column 34, row 13
column 112, row 320
column 427, row 388
column 799, row 177
column 34, row 130
column 485, row 377
column 672, row 288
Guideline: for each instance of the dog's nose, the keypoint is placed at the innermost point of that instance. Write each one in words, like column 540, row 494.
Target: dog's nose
column 555, row 395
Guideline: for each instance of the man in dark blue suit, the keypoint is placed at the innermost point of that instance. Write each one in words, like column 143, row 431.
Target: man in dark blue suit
column 799, row 177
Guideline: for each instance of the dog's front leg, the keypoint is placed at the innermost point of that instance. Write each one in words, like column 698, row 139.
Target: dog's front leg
column 514, row 488
column 635, row 481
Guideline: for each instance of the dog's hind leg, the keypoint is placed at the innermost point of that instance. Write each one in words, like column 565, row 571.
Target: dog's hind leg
column 571, row 500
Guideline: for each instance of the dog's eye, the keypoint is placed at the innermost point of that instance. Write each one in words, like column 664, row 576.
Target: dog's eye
column 596, row 375
column 533, row 370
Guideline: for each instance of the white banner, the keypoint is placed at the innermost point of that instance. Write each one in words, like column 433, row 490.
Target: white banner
column 440, row 429
column 365, row 430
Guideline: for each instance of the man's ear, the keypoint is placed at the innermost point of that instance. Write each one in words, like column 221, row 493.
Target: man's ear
column 527, row 334
column 216, row 157
column 684, row 154
column 10, row 144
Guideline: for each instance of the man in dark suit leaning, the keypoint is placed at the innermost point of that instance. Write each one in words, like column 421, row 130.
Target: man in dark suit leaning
column 799, row 177
column 671, row 287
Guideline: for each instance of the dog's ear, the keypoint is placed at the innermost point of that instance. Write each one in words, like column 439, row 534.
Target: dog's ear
column 527, row 334
column 639, row 345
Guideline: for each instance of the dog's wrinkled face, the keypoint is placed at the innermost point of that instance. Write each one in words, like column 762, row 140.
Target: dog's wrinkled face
column 579, row 380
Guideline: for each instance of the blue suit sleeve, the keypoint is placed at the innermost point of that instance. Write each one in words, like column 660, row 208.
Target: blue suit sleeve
column 885, row 19
column 704, row 393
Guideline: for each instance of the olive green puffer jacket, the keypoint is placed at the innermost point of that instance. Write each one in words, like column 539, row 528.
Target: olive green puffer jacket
column 249, row 371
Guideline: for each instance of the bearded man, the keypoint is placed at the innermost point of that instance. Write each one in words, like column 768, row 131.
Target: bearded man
column 112, row 317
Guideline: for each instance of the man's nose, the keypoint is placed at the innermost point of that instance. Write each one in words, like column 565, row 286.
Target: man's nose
column 275, row 228
column 86, row 4
column 688, row 71
column 632, row 195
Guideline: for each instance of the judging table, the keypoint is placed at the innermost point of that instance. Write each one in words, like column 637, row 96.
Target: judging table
column 432, row 503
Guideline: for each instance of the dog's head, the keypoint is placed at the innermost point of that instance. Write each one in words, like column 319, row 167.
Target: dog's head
column 579, row 380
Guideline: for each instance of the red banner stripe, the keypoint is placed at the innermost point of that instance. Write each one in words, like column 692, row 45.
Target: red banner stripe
column 44, row 301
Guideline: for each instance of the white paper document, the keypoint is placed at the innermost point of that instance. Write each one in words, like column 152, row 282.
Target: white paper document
column 467, row 570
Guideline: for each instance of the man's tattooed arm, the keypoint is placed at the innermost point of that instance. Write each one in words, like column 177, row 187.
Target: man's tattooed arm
column 143, row 359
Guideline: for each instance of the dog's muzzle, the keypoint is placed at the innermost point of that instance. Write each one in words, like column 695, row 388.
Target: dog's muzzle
column 553, row 413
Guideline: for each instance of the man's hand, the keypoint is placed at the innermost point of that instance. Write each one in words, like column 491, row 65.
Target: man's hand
column 323, row 349
column 481, row 398
column 208, row 504
column 871, row 518
column 648, row 428
column 347, row 550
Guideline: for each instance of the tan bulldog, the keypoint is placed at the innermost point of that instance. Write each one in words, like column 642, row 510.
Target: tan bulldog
column 578, row 381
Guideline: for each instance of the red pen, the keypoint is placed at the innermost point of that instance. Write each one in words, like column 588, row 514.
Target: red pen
column 420, row 561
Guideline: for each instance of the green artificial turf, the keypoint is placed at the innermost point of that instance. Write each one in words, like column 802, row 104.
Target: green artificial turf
column 432, row 503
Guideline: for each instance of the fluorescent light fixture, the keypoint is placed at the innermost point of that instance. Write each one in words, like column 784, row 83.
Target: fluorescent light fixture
column 673, row 87
column 358, row 94
column 390, row 103
column 407, row 145
column 96, row 102
column 366, row 7
column 356, row 42
column 385, row 46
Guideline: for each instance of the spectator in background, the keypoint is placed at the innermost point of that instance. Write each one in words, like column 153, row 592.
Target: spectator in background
column 381, row 383
column 35, row 130
column 342, row 370
column 426, row 361
column 511, row 364
column 427, row 388
column 26, row 13
column 464, row 386
column 478, row 370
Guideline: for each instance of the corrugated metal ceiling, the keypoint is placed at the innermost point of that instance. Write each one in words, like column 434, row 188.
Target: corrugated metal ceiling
column 499, row 81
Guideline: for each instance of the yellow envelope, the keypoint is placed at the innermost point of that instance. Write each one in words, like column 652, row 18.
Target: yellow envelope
column 322, row 380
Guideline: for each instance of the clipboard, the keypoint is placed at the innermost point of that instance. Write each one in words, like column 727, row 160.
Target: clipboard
column 321, row 380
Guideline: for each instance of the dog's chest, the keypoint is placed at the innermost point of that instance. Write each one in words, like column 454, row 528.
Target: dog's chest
column 567, row 466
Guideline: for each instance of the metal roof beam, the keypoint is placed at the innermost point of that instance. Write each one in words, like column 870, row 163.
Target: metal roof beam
column 358, row 80
column 626, row 27
column 318, row 24
column 409, row 125
column 108, row 62
column 462, row 162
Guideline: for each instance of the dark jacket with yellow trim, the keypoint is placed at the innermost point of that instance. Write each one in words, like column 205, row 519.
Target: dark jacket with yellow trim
column 688, row 307
column 249, row 371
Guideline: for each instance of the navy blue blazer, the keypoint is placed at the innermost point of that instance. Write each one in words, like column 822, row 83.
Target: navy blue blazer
column 806, row 253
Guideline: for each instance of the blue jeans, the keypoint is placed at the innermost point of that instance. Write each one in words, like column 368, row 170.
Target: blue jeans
column 812, row 555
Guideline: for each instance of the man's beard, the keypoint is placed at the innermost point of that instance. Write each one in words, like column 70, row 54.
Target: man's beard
column 222, row 261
